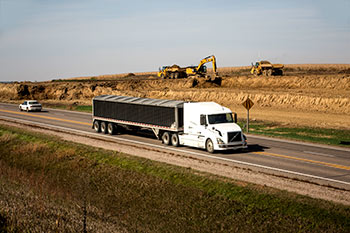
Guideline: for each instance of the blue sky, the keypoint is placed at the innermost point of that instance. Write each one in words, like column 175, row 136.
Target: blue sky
column 50, row 39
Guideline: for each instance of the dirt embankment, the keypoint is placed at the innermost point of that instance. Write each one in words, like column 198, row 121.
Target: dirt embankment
column 313, row 95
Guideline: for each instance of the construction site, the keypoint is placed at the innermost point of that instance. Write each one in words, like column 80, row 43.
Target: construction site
column 305, row 95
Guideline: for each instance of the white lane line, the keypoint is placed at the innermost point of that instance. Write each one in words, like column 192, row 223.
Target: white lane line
column 297, row 142
column 317, row 153
column 182, row 151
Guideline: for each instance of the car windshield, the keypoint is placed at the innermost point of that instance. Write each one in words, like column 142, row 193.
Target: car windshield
column 220, row 118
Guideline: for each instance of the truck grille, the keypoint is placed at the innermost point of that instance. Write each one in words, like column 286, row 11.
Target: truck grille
column 234, row 137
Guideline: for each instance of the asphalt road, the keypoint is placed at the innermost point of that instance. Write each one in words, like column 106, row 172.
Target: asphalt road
column 320, row 164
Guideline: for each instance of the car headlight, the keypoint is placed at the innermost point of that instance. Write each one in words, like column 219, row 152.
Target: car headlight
column 220, row 141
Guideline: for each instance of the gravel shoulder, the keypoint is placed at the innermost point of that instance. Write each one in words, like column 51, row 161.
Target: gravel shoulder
column 204, row 165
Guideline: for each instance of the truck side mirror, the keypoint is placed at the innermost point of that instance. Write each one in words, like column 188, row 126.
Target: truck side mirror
column 203, row 120
column 235, row 117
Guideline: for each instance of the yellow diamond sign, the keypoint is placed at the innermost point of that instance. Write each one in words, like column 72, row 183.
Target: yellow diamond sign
column 248, row 103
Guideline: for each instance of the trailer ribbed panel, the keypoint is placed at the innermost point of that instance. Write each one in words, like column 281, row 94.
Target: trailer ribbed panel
column 139, row 110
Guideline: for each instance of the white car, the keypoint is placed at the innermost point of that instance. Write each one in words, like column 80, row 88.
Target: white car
column 30, row 105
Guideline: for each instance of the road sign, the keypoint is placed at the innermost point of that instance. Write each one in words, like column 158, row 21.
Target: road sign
column 248, row 103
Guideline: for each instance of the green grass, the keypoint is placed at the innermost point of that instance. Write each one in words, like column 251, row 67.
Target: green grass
column 143, row 195
column 334, row 137
column 80, row 108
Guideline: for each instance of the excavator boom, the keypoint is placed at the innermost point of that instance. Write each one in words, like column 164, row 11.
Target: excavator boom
column 206, row 60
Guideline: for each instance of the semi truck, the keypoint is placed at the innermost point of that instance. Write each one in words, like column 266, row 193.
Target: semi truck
column 205, row 125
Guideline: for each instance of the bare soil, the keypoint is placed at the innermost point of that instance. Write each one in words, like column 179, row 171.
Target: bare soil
column 307, row 95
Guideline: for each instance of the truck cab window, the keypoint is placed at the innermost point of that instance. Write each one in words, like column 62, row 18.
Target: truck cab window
column 220, row 118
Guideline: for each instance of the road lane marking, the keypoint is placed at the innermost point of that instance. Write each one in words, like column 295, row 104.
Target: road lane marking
column 45, row 117
column 304, row 160
column 317, row 153
column 259, row 153
column 179, row 150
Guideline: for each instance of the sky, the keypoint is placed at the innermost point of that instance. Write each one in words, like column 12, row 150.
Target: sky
column 49, row 39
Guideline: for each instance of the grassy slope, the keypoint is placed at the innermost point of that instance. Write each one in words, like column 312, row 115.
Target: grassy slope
column 115, row 189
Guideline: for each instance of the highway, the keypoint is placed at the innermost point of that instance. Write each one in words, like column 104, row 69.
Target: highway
column 320, row 164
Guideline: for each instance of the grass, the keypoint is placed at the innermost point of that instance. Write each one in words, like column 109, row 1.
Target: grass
column 73, row 107
column 335, row 137
column 54, row 185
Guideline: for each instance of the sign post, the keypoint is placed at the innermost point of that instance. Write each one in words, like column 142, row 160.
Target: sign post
column 248, row 104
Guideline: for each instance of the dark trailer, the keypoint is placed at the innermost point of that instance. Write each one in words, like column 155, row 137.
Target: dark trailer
column 111, row 111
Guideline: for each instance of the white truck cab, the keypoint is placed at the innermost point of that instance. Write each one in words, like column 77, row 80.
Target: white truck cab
column 211, row 126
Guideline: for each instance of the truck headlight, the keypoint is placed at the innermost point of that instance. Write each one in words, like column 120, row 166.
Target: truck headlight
column 220, row 142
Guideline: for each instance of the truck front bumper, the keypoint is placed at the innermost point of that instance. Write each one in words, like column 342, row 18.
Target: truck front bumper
column 231, row 146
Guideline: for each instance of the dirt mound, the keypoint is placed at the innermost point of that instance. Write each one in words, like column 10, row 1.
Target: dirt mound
column 307, row 95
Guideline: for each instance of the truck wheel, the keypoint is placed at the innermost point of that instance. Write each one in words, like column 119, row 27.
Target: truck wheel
column 209, row 146
column 269, row 72
column 27, row 109
column 97, row 126
column 175, row 140
column 104, row 127
column 176, row 75
column 166, row 138
column 111, row 128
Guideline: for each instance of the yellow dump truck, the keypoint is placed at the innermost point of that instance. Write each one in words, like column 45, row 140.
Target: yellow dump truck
column 266, row 68
column 172, row 72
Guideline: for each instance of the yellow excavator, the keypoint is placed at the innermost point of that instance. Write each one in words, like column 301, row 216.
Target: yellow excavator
column 175, row 71
column 201, row 69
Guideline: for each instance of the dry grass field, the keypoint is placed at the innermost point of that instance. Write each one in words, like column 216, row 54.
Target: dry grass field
column 307, row 95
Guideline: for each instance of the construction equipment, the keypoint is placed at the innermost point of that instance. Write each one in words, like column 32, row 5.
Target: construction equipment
column 176, row 71
column 201, row 69
column 266, row 68
column 172, row 72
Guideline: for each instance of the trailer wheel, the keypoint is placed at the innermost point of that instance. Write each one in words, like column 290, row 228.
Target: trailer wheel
column 111, row 128
column 175, row 140
column 209, row 146
column 97, row 126
column 104, row 127
column 166, row 138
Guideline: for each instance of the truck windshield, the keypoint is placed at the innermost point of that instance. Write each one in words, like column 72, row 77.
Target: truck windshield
column 220, row 118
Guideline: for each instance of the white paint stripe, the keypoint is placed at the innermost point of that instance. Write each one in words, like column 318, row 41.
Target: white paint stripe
column 298, row 142
column 183, row 151
column 249, row 135
column 317, row 153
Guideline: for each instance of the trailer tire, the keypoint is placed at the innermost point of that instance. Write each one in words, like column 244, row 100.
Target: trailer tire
column 175, row 140
column 111, row 128
column 104, row 127
column 209, row 146
column 166, row 138
column 97, row 126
